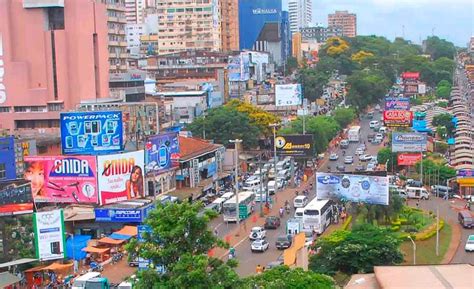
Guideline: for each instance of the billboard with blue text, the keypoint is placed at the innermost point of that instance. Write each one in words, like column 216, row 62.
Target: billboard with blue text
column 409, row 142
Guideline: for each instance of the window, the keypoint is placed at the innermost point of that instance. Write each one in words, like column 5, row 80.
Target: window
column 4, row 109
column 56, row 18
column 3, row 171
column 55, row 106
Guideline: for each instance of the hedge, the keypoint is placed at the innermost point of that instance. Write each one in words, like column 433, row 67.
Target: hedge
column 430, row 232
column 347, row 223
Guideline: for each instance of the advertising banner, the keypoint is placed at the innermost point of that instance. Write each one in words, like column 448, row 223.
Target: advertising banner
column 91, row 132
column 50, row 235
column 15, row 198
column 239, row 67
column 408, row 142
column 397, row 103
column 354, row 188
column 288, row 94
column 7, row 157
column 408, row 159
column 160, row 150
column 123, row 215
column 121, row 177
column 295, row 145
column 62, row 179
column 397, row 118
column 465, row 173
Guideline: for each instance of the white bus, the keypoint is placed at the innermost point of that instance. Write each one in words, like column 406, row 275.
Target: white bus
column 246, row 202
column 354, row 134
column 317, row 215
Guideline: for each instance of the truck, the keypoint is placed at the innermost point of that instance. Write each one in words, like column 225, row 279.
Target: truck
column 354, row 134
column 91, row 280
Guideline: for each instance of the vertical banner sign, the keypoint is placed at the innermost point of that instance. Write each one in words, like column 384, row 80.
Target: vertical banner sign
column 50, row 235
column 62, row 179
column 121, row 177
column 160, row 150
column 92, row 132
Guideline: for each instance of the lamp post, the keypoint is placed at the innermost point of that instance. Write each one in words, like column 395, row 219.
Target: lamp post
column 274, row 126
column 204, row 125
column 236, row 142
column 414, row 249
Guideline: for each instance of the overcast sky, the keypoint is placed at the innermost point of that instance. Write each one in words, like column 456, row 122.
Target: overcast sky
column 449, row 19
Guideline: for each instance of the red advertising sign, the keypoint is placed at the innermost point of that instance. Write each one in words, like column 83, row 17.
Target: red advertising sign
column 398, row 118
column 408, row 159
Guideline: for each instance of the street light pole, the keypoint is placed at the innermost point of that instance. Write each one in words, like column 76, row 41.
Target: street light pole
column 437, row 229
column 236, row 142
column 274, row 126
column 414, row 249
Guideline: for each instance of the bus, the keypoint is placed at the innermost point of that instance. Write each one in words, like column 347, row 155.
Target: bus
column 246, row 203
column 354, row 134
column 317, row 215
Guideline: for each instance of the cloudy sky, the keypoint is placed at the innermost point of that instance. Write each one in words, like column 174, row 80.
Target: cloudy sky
column 450, row 19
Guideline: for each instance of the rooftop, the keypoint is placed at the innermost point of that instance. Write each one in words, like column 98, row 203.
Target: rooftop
column 194, row 147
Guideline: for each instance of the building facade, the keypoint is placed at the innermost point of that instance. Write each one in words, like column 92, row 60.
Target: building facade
column 229, row 25
column 301, row 14
column 188, row 25
column 347, row 21
column 135, row 10
column 320, row 34
column 117, row 42
column 134, row 32
column 41, row 73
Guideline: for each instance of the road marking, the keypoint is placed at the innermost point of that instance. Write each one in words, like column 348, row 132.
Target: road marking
column 235, row 246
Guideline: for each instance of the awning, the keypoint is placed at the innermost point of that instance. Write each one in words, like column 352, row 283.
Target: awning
column 7, row 279
column 78, row 213
column 128, row 230
column 17, row 262
column 58, row 267
column 107, row 240
column 91, row 249
column 119, row 237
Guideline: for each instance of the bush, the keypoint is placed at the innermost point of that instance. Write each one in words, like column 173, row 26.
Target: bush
column 395, row 228
column 403, row 221
column 430, row 232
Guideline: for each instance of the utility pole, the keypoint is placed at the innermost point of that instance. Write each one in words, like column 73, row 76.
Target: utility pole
column 260, row 163
column 437, row 229
column 236, row 142
column 274, row 126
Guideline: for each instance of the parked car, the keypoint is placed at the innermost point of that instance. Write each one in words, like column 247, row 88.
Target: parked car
column 470, row 244
column 133, row 262
column 333, row 157
column 284, row 242
column 348, row 159
column 371, row 167
column 259, row 245
column 274, row 264
column 272, row 222
column 442, row 191
column 413, row 183
column 257, row 233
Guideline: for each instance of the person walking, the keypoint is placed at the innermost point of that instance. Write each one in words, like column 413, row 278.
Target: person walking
column 259, row 269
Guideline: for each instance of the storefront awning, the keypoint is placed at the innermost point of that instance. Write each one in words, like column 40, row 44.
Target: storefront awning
column 128, row 230
column 78, row 213
column 7, row 279
column 17, row 262
column 58, row 267
column 91, row 249
column 107, row 240
column 119, row 237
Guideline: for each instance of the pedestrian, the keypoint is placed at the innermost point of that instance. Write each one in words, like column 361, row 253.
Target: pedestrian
column 215, row 232
column 259, row 269
column 417, row 204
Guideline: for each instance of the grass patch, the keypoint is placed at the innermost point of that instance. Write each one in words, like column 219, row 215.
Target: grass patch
column 426, row 250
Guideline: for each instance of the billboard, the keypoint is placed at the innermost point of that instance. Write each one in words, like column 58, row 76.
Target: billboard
column 50, row 235
column 239, row 67
column 397, row 103
column 121, row 177
column 354, row 188
column 397, row 118
column 465, row 173
column 160, row 150
column 288, row 94
column 408, row 142
column 91, row 132
column 62, row 179
column 7, row 158
column 295, row 145
column 408, row 159
column 123, row 215
column 15, row 198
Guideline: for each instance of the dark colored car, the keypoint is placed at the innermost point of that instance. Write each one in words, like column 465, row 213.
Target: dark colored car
column 370, row 137
column 272, row 222
column 341, row 168
column 284, row 242
column 360, row 168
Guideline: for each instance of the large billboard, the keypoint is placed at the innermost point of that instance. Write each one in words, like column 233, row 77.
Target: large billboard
column 50, row 235
column 408, row 142
column 160, row 150
column 239, row 67
column 62, row 179
column 7, row 158
column 397, row 103
column 295, row 145
column 353, row 188
column 91, row 132
column 408, row 159
column 15, row 198
column 397, row 118
column 121, row 177
column 288, row 94
column 465, row 174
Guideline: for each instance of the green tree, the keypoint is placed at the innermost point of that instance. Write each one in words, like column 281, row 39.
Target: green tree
column 438, row 48
column 283, row 277
column 313, row 81
column 258, row 117
column 443, row 91
column 225, row 123
column 366, row 87
column 291, row 64
column 444, row 120
column 344, row 116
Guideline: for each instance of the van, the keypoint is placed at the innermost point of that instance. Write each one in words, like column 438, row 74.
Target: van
column 252, row 185
column 442, row 191
column 271, row 187
column 284, row 174
column 300, row 201
column 413, row 183
column 299, row 213
column 227, row 195
column 417, row 193
column 219, row 202
column 80, row 282
column 466, row 219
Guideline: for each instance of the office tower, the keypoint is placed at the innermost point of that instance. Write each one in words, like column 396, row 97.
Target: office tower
column 346, row 20
column 229, row 25
column 301, row 14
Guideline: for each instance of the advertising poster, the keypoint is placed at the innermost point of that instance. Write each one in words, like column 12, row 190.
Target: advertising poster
column 408, row 159
column 288, row 94
column 15, row 198
column 295, row 145
column 397, row 103
column 62, row 179
column 91, row 132
column 50, row 235
column 160, row 150
column 121, row 177
column 465, row 174
column 239, row 67
column 397, row 118
column 408, row 142
column 7, row 157
column 353, row 188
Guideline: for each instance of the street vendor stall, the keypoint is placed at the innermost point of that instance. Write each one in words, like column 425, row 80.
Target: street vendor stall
column 98, row 254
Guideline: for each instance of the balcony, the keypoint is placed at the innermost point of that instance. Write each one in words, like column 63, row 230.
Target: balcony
column 113, row 43
column 112, row 55
column 116, row 7
column 123, row 55
column 123, row 67
column 123, row 43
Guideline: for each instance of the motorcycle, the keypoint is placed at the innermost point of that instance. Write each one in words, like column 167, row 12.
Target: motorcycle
column 288, row 209
column 96, row 267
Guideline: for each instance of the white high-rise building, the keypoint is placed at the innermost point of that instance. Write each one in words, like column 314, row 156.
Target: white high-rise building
column 135, row 11
column 301, row 14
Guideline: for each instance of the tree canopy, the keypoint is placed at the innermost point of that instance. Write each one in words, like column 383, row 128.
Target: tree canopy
column 344, row 116
column 438, row 48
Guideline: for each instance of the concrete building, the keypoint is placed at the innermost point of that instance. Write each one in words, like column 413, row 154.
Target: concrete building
column 148, row 45
column 301, row 14
column 188, row 25
column 41, row 73
column 296, row 50
column 320, row 34
column 135, row 10
column 117, row 42
column 131, row 83
column 346, row 20
column 229, row 25
column 134, row 32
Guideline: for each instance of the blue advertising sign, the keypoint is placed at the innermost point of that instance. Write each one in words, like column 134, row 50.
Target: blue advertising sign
column 160, row 150
column 408, row 142
column 465, row 173
column 397, row 103
column 122, row 215
column 7, row 157
column 142, row 230
column 91, row 132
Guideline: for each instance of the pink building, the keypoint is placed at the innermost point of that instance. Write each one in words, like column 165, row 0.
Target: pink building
column 53, row 54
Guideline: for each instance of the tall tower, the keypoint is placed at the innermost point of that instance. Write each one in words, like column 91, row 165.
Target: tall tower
column 229, row 25
column 301, row 14
column 345, row 20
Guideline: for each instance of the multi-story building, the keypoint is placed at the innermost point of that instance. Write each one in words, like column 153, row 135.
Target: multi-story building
column 301, row 14
column 320, row 34
column 229, row 25
column 134, row 32
column 117, row 42
column 135, row 10
column 188, row 25
column 148, row 45
column 41, row 73
column 347, row 21
column 296, row 47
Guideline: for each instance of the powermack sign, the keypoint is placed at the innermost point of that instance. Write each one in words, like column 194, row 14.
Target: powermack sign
column 295, row 145
column 408, row 142
column 91, row 133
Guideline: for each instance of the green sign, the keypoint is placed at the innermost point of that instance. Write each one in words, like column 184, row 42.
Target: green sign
column 243, row 213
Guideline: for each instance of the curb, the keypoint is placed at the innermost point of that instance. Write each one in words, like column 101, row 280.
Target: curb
column 451, row 252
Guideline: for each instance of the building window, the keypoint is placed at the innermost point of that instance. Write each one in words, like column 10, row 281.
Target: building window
column 55, row 106
column 56, row 18
column 4, row 109
column 3, row 171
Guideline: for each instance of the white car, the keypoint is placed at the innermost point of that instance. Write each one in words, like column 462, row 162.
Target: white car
column 371, row 167
column 379, row 136
column 349, row 160
column 374, row 124
column 470, row 244
column 257, row 233
column 359, row 151
column 259, row 245
column 365, row 158
column 333, row 157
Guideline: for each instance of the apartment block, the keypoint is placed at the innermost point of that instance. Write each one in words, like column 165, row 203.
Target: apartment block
column 135, row 11
column 229, row 25
column 300, row 13
column 347, row 21
column 116, row 21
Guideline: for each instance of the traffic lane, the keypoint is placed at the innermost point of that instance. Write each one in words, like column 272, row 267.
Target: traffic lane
column 461, row 255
